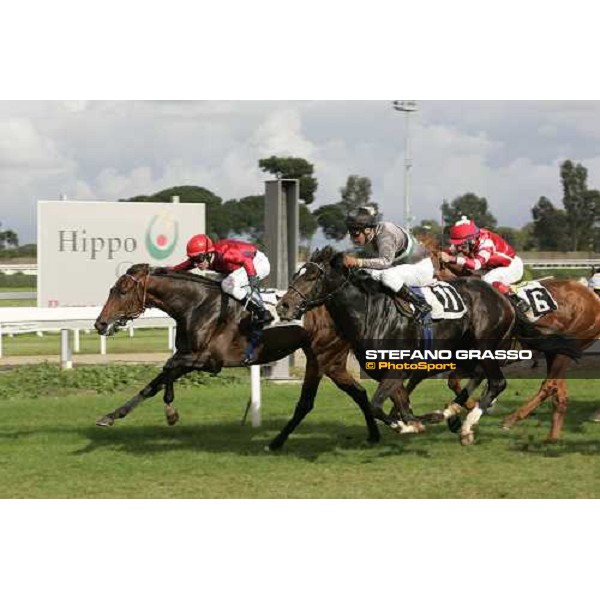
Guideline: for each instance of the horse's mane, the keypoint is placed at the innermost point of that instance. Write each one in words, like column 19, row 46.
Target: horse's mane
column 361, row 280
column 177, row 275
column 323, row 255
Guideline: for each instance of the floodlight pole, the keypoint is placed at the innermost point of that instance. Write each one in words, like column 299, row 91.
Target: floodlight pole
column 407, row 107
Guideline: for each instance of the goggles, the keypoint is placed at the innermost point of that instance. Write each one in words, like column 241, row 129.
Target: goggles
column 355, row 230
column 202, row 257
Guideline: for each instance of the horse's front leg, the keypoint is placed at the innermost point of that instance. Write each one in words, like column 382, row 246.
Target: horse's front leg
column 150, row 390
column 166, row 378
column 306, row 402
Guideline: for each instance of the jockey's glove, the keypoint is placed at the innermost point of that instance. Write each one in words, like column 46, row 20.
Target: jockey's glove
column 253, row 281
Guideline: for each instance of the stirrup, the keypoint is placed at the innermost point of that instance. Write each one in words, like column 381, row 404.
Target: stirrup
column 422, row 314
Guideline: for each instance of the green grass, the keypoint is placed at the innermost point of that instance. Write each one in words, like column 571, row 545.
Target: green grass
column 17, row 280
column 563, row 273
column 10, row 303
column 30, row 344
column 50, row 447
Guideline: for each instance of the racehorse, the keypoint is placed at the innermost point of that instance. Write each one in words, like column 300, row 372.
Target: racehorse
column 577, row 316
column 214, row 331
column 363, row 310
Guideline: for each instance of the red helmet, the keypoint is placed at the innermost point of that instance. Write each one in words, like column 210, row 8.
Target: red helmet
column 199, row 244
column 463, row 231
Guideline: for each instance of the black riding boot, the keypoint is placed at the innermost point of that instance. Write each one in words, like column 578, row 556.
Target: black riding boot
column 422, row 309
column 260, row 315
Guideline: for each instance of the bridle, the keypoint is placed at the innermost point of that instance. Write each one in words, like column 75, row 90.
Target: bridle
column 307, row 303
column 141, row 286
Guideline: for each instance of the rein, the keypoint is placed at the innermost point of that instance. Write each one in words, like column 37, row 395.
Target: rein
column 307, row 303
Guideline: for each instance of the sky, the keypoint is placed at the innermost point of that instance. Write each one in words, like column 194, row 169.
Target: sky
column 506, row 151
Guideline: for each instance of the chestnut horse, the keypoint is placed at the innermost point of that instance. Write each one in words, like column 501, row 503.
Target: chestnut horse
column 214, row 331
column 577, row 316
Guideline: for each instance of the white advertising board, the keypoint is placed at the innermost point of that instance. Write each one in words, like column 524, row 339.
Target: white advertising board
column 83, row 247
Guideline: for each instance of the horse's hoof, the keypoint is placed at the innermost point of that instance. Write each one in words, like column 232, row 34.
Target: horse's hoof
column 418, row 426
column 433, row 418
column 508, row 424
column 172, row 417
column 105, row 421
column 467, row 439
column 274, row 446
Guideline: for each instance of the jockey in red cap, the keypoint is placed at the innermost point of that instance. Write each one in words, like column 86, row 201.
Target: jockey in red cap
column 478, row 249
column 243, row 264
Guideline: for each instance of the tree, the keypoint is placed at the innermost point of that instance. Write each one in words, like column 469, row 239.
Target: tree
column 356, row 192
column 473, row 207
column 292, row 168
column 332, row 220
column 308, row 223
column 515, row 237
column 582, row 206
column 8, row 238
column 216, row 220
column 428, row 227
column 549, row 226
column 244, row 217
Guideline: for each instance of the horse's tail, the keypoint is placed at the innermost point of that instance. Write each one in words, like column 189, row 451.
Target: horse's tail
column 551, row 343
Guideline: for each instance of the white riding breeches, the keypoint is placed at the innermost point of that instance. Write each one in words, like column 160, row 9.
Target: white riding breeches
column 509, row 274
column 416, row 275
column 236, row 283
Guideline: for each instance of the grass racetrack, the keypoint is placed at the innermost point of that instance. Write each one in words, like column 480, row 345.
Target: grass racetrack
column 51, row 448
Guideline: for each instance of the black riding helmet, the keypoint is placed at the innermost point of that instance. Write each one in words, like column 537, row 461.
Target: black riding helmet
column 361, row 218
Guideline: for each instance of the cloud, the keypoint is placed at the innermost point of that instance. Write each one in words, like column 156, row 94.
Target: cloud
column 508, row 152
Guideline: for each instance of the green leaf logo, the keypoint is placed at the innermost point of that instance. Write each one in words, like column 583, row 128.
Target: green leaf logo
column 161, row 236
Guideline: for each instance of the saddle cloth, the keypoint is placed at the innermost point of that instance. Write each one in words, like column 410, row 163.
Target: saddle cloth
column 444, row 300
column 538, row 298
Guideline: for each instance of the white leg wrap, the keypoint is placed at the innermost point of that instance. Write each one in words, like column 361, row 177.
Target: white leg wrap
column 471, row 420
column 451, row 410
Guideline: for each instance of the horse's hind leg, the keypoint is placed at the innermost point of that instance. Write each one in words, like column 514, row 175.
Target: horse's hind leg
column 557, row 365
column 560, row 403
column 393, row 388
column 546, row 389
column 345, row 382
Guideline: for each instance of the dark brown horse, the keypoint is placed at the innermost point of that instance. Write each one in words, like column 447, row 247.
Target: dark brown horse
column 214, row 331
column 365, row 312
column 577, row 316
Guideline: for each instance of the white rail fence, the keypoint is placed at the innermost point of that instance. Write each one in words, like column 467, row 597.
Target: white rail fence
column 27, row 319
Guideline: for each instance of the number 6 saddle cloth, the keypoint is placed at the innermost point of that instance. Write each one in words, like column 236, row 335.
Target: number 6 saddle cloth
column 538, row 298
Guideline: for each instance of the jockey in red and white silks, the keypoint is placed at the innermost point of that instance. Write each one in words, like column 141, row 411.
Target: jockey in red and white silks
column 480, row 250
column 243, row 263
